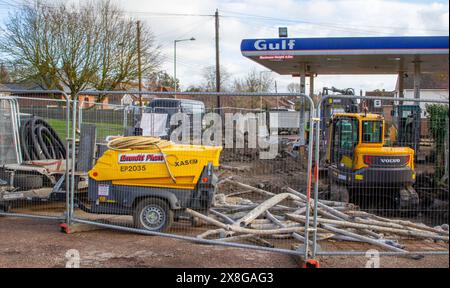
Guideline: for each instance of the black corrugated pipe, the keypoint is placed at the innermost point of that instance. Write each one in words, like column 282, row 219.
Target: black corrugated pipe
column 39, row 141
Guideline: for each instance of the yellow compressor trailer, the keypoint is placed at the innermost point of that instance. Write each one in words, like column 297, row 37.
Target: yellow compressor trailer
column 153, row 180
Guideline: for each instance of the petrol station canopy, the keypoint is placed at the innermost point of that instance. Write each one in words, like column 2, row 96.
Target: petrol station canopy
column 349, row 55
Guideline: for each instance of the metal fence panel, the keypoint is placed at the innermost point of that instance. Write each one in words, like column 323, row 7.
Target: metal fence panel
column 385, row 172
column 262, row 185
column 243, row 202
column 33, row 157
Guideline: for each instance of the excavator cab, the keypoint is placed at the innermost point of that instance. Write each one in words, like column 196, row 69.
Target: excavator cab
column 343, row 142
column 359, row 163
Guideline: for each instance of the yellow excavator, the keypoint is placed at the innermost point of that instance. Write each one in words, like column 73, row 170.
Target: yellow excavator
column 360, row 165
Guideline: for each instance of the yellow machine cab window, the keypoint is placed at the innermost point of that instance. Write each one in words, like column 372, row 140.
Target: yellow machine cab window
column 372, row 131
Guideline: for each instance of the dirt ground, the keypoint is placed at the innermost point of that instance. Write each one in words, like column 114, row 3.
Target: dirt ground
column 38, row 243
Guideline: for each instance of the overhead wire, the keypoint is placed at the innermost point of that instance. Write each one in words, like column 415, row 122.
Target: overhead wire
column 165, row 14
column 329, row 24
column 329, row 27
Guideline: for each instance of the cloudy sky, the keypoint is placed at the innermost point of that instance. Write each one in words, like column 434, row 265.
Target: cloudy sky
column 241, row 19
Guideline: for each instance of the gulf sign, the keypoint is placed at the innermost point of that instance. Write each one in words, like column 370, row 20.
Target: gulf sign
column 268, row 45
column 403, row 45
column 141, row 158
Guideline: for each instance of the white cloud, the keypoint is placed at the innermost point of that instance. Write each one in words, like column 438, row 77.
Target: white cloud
column 315, row 19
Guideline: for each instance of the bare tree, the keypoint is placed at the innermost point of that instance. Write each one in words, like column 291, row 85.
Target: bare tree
column 209, row 79
column 293, row 88
column 160, row 79
column 77, row 46
column 254, row 81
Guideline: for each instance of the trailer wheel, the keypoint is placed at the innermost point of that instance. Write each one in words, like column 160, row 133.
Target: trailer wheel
column 153, row 215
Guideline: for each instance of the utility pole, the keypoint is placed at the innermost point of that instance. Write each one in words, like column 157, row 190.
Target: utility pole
column 216, row 15
column 138, row 23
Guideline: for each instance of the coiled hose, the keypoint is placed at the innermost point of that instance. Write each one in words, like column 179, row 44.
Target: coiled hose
column 138, row 143
column 142, row 143
column 39, row 141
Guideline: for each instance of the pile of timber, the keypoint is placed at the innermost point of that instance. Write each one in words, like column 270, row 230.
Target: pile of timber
column 283, row 216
